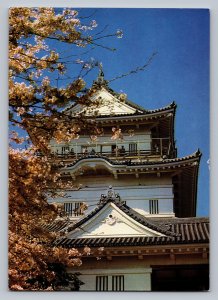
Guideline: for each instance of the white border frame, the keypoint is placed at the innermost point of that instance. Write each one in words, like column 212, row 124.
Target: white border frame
column 213, row 6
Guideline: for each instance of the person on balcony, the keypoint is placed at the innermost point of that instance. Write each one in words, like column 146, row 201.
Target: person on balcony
column 66, row 152
column 156, row 148
column 85, row 151
column 122, row 150
column 116, row 151
column 92, row 152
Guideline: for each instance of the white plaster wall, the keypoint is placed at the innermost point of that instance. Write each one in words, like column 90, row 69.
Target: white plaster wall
column 141, row 206
column 135, row 279
column 165, row 205
column 136, row 196
column 103, row 181
column 130, row 194
column 135, row 191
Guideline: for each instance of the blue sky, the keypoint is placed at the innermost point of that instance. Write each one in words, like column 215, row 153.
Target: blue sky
column 179, row 72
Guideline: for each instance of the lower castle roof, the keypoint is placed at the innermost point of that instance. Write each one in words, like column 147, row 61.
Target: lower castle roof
column 175, row 230
column 188, row 231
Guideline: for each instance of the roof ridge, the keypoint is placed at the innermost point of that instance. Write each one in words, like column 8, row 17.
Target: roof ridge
column 187, row 220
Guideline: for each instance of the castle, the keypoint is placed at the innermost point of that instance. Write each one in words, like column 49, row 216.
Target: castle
column 136, row 201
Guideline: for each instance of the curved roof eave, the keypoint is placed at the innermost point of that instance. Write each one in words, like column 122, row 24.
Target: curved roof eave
column 145, row 114
column 111, row 164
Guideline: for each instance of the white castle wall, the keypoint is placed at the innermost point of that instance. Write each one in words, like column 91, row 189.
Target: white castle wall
column 136, row 192
column 135, row 278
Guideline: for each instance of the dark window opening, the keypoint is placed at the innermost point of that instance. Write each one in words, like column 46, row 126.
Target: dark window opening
column 101, row 283
column 118, row 283
column 133, row 148
column 153, row 207
column 73, row 208
column 180, row 278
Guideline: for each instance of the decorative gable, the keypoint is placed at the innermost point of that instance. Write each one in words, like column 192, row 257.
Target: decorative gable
column 105, row 104
column 111, row 221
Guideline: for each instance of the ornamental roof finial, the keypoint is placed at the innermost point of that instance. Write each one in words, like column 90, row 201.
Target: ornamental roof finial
column 100, row 79
column 101, row 73
column 110, row 192
column 110, row 195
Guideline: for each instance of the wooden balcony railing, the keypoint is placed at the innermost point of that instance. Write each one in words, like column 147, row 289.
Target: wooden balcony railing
column 158, row 147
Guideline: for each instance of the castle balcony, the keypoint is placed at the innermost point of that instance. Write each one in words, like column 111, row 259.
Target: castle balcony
column 151, row 150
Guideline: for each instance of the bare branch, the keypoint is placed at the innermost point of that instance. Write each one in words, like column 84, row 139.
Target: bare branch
column 138, row 69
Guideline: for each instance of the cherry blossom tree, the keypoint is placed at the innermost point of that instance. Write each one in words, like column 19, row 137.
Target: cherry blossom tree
column 36, row 115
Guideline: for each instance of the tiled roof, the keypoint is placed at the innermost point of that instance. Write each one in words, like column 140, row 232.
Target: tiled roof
column 190, row 232
column 58, row 225
column 175, row 230
column 189, row 229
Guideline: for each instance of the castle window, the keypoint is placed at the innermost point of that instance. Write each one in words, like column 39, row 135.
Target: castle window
column 68, row 208
column 77, row 209
column 118, row 283
column 133, row 148
column 153, row 207
column 73, row 208
column 101, row 283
